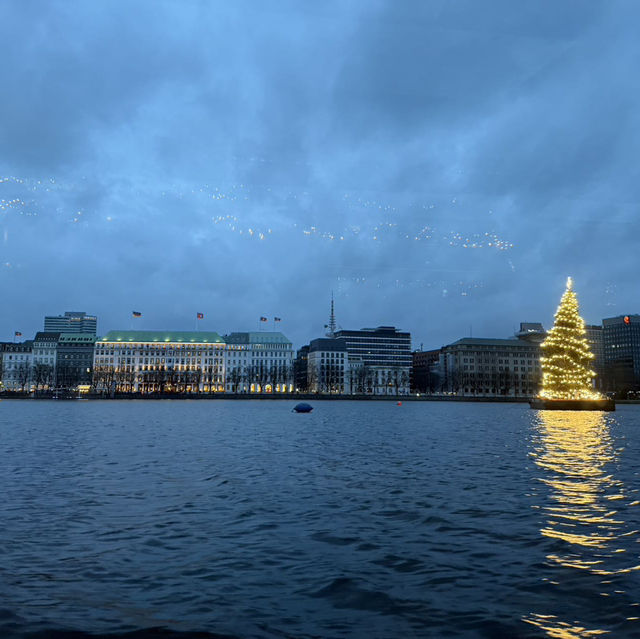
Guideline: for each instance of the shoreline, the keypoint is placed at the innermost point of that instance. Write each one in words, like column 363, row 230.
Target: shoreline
column 277, row 397
column 266, row 397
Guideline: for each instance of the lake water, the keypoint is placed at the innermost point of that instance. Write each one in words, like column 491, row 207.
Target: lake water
column 361, row 519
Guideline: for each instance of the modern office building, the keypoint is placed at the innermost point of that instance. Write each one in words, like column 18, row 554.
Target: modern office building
column 71, row 322
column 328, row 366
column 159, row 361
column 595, row 338
column 258, row 362
column 621, row 342
column 424, row 377
column 74, row 360
column 481, row 367
column 381, row 356
column 300, row 370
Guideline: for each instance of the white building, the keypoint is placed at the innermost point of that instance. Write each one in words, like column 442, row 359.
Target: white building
column 258, row 362
column 17, row 366
column 159, row 362
column 380, row 360
column 328, row 366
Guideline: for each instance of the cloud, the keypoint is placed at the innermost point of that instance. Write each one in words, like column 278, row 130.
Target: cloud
column 436, row 164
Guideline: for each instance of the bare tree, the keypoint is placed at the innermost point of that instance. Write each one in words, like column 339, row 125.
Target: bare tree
column 23, row 375
column 404, row 381
column 42, row 376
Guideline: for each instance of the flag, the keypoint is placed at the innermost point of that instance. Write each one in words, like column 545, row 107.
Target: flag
column 18, row 334
column 263, row 319
column 137, row 314
column 200, row 315
column 277, row 319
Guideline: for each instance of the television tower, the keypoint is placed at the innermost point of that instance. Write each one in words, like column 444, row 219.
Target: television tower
column 331, row 326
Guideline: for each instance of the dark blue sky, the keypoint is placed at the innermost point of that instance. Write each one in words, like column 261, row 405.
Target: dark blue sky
column 437, row 164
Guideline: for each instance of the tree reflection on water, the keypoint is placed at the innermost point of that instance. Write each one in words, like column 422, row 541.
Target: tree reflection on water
column 576, row 452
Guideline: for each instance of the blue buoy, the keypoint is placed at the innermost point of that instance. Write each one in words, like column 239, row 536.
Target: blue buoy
column 302, row 407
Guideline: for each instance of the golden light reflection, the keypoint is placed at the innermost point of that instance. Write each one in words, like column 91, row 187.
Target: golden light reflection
column 576, row 452
column 575, row 449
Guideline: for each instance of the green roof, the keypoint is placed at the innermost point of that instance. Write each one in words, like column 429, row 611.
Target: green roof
column 256, row 337
column 180, row 337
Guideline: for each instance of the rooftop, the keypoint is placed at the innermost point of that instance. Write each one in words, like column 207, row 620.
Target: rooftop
column 47, row 336
column 488, row 341
column 327, row 344
column 149, row 337
column 256, row 337
column 77, row 338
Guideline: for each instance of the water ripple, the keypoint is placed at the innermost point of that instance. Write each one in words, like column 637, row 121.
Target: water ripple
column 180, row 520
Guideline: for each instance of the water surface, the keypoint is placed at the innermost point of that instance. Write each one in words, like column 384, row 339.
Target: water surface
column 362, row 519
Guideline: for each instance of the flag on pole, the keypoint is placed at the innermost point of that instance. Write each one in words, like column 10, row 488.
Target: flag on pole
column 136, row 314
column 263, row 319
column 18, row 334
column 200, row 315
column 277, row 319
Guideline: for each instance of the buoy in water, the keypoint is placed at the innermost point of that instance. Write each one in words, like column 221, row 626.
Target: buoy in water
column 303, row 407
column 399, row 403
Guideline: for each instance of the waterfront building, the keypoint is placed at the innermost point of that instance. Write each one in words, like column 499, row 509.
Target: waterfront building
column 621, row 342
column 44, row 359
column 17, row 366
column 71, row 322
column 159, row 361
column 328, row 366
column 258, row 362
column 380, row 359
column 595, row 338
column 300, row 370
column 482, row 367
column 75, row 354
column 424, row 377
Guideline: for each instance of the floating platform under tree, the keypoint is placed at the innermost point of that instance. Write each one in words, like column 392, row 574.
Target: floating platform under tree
column 573, row 404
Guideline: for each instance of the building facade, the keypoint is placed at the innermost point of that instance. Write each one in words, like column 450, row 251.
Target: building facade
column 300, row 370
column 328, row 366
column 424, row 376
column 17, row 368
column 481, row 367
column 74, row 360
column 71, row 322
column 595, row 337
column 621, row 343
column 379, row 360
column 159, row 362
column 45, row 354
column 258, row 362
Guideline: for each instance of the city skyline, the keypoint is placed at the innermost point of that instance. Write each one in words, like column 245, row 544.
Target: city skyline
column 273, row 323
column 430, row 162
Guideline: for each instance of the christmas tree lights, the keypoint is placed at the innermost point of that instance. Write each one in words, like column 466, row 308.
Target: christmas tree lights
column 566, row 360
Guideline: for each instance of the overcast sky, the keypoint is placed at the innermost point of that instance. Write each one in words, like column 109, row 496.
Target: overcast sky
column 440, row 165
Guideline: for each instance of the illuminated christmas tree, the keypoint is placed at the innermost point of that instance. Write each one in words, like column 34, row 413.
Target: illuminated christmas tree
column 566, row 360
